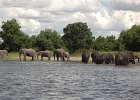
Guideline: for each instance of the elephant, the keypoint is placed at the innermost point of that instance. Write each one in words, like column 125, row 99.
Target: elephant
column 94, row 56
column 46, row 53
column 3, row 53
column 27, row 52
column 59, row 53
column 85, row 56
column 107, row 58
column 124, row 58
column 67, row 55
column 102, row 58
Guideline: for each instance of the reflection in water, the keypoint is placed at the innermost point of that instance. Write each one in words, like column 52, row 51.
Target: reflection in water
column 68, row 81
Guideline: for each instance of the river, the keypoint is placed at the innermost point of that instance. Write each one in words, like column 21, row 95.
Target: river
column 49, row 80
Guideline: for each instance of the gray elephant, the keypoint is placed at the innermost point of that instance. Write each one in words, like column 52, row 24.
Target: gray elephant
column 95, row 57
column 3, row 53
column 59, row 53
column 107, row 58
column 124, row 58
column 67, row 55
column 85, row 56
column 102, row 58
column 46, row 53
column 27, row 52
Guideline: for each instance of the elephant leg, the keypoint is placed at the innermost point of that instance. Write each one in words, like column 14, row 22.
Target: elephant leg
column 57, row 58
column 133, row 61
column 24, row 57
column 113, row 61
column 82, row 60
column 116, row 62
column 41, row 57
column 32, row 58
column 63, row 58
column 125, row 63
column 107, row 62
column 49, row 58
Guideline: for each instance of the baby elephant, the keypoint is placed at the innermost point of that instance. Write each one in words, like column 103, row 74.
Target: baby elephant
column 67, row 56
column 46, row 53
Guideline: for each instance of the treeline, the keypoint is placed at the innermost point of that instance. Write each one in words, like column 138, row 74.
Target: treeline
column 77, row 36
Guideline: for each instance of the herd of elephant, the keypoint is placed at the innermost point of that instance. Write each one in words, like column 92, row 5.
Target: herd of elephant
column 120, row 58
column 60, row 54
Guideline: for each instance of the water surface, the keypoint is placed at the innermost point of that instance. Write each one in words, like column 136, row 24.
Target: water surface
column 50, row 80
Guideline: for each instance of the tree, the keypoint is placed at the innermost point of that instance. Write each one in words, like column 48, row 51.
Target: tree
column 48, row 39
column 131, row 38
column 32, row 42
column 13, row 37
column 105, row 43
column 101, row 43
column 111, row 43
column 77, row 36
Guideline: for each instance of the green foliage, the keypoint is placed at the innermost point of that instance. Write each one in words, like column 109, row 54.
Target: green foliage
column 100, row 43
column 105, row 44
column 131, row 38
column 32, row 41
column 48, row 39
column 111, row 43
column 77, row 36
column 12, row 36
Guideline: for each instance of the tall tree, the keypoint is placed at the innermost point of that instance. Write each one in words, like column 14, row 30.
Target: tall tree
column 111, row 43
column 77, row 36
column 12, row 36
column 131, row 38
column 48, row 39
column 101, row 43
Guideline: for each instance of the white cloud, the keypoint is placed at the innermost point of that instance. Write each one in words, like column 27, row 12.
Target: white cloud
column 127, row 18
column 106, row 33
column 104, row 17
column 20, row 12
column 30, row 25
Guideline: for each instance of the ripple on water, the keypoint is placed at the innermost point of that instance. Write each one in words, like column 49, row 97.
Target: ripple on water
column 68, row 81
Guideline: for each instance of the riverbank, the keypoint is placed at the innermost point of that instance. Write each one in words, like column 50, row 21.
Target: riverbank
column 73, row 57
column 15, row 56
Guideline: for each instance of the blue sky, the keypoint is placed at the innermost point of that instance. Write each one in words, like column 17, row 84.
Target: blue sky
column 104, row 17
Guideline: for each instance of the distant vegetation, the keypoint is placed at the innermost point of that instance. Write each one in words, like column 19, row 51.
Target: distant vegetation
column 77, row 36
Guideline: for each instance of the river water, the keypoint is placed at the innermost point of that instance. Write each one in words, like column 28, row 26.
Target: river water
column 51, row 80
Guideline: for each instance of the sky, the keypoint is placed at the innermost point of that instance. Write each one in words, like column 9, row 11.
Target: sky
column 103, row 17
